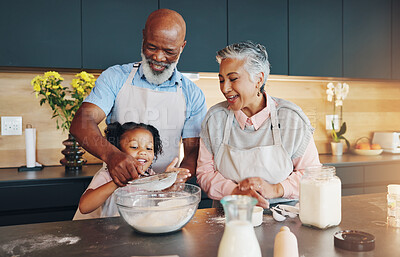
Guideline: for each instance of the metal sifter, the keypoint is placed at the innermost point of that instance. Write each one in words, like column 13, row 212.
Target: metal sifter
column 155, row 182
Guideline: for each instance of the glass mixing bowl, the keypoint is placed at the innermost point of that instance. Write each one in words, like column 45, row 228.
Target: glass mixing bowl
column 156, row 212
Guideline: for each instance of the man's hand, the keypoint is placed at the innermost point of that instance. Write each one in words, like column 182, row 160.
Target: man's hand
column 250, row 192
column 123, row 168
column 262, row 187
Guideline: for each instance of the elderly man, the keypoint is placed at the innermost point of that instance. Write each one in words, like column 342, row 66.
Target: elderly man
column 152, row 92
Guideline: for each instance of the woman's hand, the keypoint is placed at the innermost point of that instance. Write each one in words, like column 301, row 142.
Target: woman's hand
column 250, row 192
column 183, row 174
column 262, row 187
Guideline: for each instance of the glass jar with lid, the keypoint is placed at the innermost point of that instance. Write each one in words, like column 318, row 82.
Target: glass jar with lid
column 320, row 197
column 393, row 202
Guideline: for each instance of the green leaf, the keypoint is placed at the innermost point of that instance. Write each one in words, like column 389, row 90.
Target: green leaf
column 347, row 141
column 342, row 129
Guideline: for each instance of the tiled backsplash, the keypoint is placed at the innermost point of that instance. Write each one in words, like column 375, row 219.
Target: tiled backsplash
column 370, row 106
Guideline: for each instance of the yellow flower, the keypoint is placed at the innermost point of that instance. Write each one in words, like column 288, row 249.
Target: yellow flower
column 36, row 80
column 62, row 100
column 80, row 90
column 75, row 83
column 85, row 76
column 36, row 87
column 53, row 74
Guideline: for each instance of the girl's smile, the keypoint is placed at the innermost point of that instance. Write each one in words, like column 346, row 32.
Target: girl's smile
column 139, row 144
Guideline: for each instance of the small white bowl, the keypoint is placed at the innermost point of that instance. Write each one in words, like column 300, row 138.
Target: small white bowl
column 257, row 217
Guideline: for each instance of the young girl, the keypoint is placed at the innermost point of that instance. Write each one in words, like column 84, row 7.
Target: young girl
column 143, row 143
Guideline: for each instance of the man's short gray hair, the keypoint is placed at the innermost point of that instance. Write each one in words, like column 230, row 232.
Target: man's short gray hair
column 255, row 55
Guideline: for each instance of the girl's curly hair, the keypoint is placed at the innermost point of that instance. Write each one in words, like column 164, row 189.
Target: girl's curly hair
column 115, row 130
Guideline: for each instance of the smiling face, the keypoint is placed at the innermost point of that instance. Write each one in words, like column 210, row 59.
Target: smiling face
column 139, row 144
column 237, row 87
column 163, row 42
column 162, row 48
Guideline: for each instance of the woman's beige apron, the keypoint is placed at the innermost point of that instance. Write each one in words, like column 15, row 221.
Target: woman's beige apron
column 163, row 110
column 271, row 163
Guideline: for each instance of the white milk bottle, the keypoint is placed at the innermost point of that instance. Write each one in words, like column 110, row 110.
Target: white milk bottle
column 239, row 238
column 320, row 197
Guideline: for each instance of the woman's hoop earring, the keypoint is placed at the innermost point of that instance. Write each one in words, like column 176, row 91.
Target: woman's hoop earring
column 258, row 93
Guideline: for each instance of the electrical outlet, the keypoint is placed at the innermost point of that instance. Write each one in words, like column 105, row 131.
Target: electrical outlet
column 329, row 119
column 11, row 125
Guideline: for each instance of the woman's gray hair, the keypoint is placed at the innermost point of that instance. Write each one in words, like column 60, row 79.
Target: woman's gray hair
column 255, row 55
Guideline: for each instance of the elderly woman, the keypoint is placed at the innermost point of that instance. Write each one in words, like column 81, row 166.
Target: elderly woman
column 252, row 143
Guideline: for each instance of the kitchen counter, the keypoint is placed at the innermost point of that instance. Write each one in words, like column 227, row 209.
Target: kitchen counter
column 11, row 175
column 200, row 237
column 362, row 174
column 354, row 159
column 58, row 172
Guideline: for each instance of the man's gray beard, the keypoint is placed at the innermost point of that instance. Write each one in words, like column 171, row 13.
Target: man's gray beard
column 155, row 77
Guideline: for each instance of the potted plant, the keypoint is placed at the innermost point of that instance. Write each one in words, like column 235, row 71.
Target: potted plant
column 336, row 144
column 65, row 101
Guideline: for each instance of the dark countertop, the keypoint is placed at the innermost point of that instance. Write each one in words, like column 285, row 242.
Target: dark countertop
column 200, row 237
column 48, row 173
column 350, row 159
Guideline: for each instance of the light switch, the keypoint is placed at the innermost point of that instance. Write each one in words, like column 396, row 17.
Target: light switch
column 11, row 125
column 329, row 119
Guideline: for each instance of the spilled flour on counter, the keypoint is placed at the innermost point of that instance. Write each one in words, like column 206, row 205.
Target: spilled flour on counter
column 216, row 220
column 29, row 245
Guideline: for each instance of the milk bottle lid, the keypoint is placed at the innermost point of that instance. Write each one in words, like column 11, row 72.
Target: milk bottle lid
column 353, row 240
column 394, row 189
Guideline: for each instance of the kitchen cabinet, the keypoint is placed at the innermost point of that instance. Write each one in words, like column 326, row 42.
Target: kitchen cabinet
column 367, row 39
column 264, row 22
column 112, row 31
column 206, row 32
column 41, row 196
column 43, row 33
column 396, row 39
column 367, row 179
column 315, row 38
column 40, row 201
column 338, row 38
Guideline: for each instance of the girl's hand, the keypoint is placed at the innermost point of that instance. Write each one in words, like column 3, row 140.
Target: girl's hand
column 261, row 201
column 183, row 174
column 262, row 187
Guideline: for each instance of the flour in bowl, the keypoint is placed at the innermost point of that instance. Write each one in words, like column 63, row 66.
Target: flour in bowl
column 161, row 218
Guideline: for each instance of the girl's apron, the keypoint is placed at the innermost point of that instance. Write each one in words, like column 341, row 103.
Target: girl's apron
column 164, row 110
column 271, row 163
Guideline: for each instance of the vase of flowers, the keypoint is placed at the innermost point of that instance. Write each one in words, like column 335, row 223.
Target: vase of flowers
column 336, row 94
column 65, row 101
